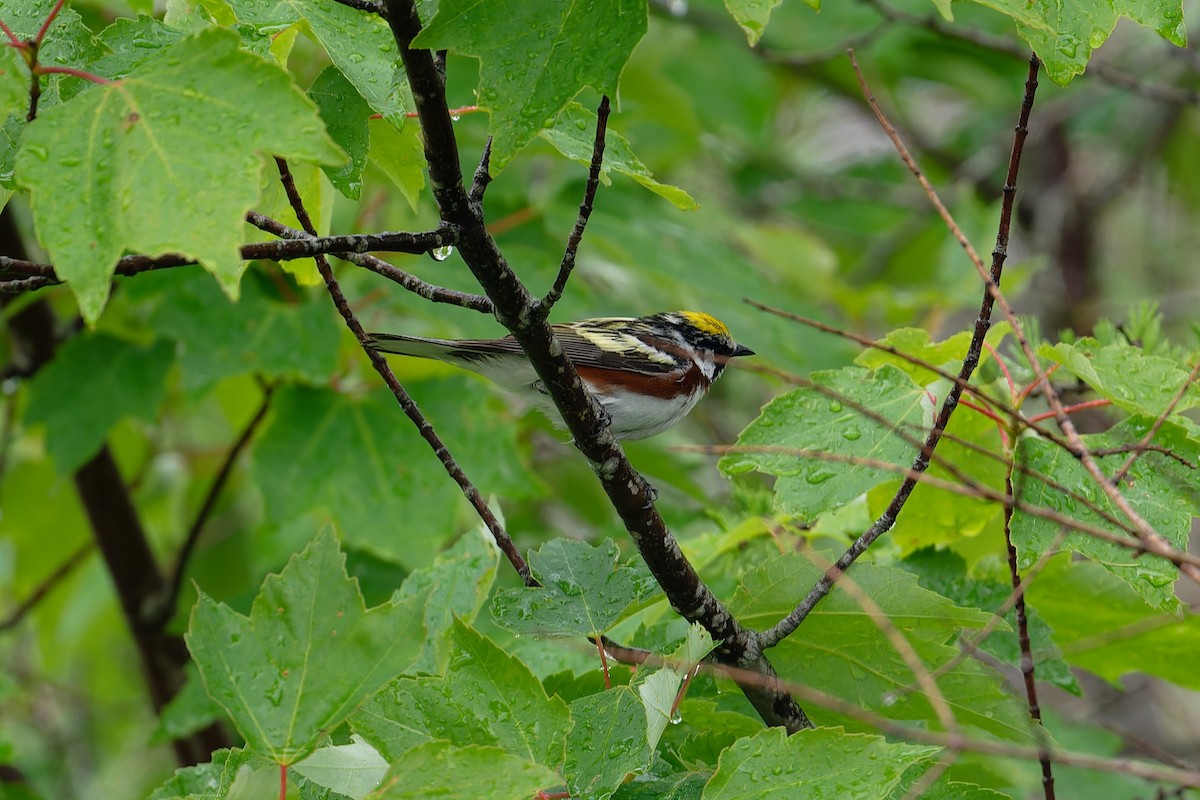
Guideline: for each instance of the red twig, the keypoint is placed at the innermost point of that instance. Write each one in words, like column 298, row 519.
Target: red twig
column 77, row 73
column 46, row 25
column 1035, row 383
column 1103, row 401
column 683, row 687
column 1012, row 389
column 603, row 661
column 12, row 37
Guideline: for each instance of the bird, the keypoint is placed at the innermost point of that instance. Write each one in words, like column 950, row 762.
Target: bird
column 646, row 372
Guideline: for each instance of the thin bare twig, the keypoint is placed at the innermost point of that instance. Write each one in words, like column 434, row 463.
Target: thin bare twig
column 970, row 489
column 175, row 585
column 903, row 648
column 585, row 212
column 45, row 587
column 1144, row 444
column 482, row 177
column 22, row 285
column 429, row 291
column 299, row 245
column 887, row 519
column 1027, row 665
column 503, row 540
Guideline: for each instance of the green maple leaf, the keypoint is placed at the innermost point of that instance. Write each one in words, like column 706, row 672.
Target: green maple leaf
column 839, row 648
column 584, row 591
column 306, row 657
column 814, row 764
column 809, row 420
column 440, row 769
column 93, row 382
column 536, row 56
column 607, row 743
column 574, row 136
column 360, row 45
column 1164, row 491
column 166, row 160
column 1074, row 28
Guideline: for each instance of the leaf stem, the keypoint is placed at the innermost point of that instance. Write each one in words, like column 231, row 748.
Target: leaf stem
column 41, row 34
column 77, row 73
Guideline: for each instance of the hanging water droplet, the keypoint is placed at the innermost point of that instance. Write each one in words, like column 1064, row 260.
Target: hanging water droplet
column 441, row 253
column 819, row 475
column 676, row 717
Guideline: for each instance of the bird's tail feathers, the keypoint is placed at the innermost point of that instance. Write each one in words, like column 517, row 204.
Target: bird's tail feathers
column 409, row 345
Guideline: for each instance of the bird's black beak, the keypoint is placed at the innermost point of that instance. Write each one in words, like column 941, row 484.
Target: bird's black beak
column 739, row 350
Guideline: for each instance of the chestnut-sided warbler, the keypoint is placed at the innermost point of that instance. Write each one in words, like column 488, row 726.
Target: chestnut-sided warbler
column 647, row 372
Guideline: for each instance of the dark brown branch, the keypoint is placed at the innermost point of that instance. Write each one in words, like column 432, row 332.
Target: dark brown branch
column 503, row 540
column 482, row 177
column 117, row 531
column 887, row 519
column 585, row 212
column 30, row 284
column 1027, row 665
column 45, row 587
column 431, row 292
column 288, row 249
column 170, row 598
column 516, row 310
column 1140, row 448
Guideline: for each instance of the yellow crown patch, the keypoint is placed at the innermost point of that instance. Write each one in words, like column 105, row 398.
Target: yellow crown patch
column 705, row 322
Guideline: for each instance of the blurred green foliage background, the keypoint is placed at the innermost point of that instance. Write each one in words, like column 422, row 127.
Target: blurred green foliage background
column 803, row 205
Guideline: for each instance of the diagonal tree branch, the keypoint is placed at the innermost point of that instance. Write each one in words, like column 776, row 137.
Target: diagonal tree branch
column 503, row 540
column 30, row 275
column 887, row 519
column 518, row 311
column 117, row 531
